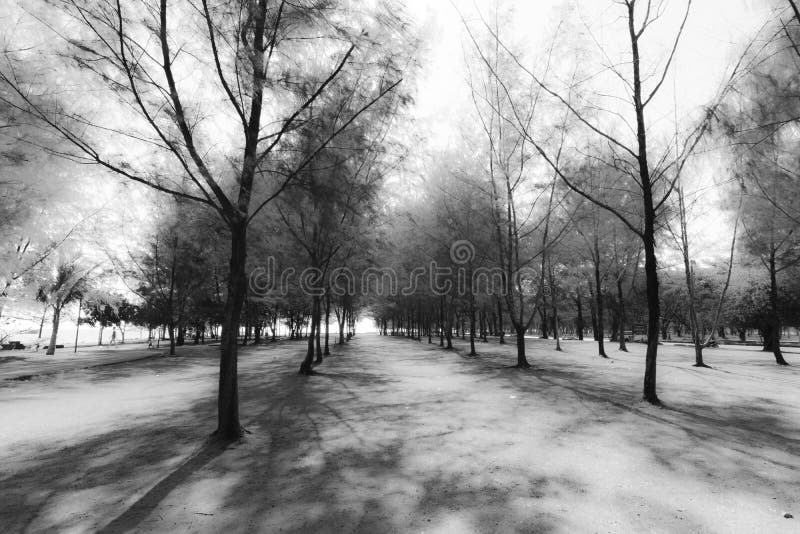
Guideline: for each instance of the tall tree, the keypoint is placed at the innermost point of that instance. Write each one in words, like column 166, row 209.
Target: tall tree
column 654, row 176
column 161, row 131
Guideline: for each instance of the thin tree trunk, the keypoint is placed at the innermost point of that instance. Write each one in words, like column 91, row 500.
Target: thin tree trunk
column 41, row 323
column 327, row 350
column 687, row 268
column 718, row 310
column 649, row 216
column 78, row 324
column 502, row 330
column 318, row 332
column 598, row 298
column 622, row 345
column 472, row 324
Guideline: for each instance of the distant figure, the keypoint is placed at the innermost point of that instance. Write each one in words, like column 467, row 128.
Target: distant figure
column 114, row 335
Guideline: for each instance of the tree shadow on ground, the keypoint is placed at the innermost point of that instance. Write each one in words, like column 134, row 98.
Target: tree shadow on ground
column 351, row 450
column 140, row 509
column 735, row 440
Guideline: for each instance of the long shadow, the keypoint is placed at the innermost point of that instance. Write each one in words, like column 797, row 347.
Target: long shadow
column 333, row 453
column 339, row 452
column 754, row 430
column 139, row 510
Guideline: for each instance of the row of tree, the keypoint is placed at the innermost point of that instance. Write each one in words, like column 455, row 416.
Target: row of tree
column 269, row 124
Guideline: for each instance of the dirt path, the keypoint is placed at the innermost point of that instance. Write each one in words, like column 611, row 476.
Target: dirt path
column 399, row 436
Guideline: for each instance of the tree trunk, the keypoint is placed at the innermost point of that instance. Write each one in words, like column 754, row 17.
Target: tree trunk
column 500, row 323
column 522, row 361
column 78, row 325
column 689, row 273
column 41, row 323
column 545, row 334
column 653, row 311
column 327, row 350
column 228, row 426
column 621, row 312
column 775, row 318
column 305, row 367
column 472, row 325
column 598, row 298
column 449, row 328
column 649, row 216
column 318, row 332
column 171, row 330
column 579, row 320
column 441, row 320
column 51, row 348
column 341, row 326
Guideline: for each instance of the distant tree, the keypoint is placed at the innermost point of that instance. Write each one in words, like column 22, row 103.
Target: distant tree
column 67, row 284
column 167, row 130
column 99, row 312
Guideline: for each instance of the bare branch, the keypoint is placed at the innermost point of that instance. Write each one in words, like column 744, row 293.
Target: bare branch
column 217, row 64
column 671, row 55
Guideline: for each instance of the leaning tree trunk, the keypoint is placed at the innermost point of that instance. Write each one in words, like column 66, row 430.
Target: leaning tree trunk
column 44, row 316
column 51, row 348
column 228, row 425
column 694, row 324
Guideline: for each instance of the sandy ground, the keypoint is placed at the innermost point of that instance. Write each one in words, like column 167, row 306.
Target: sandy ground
column 400, row 436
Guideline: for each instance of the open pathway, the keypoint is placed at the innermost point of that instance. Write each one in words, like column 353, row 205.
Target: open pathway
column 399, row 436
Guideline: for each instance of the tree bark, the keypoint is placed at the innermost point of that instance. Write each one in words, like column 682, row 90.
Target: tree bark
column 621, row 319
column 305, row 367
column 598, row 294
column 522, row 360
column 51, row 348
column 228, row 425
column 500, row 325
column 318, row 331
column 649, row 215
column 327, row 350
column 775, row 318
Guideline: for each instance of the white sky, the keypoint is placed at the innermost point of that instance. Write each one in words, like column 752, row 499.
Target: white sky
column 715, row 35
column 717, row 30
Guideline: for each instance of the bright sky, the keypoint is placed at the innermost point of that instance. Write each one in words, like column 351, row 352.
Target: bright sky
column 716, row 33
